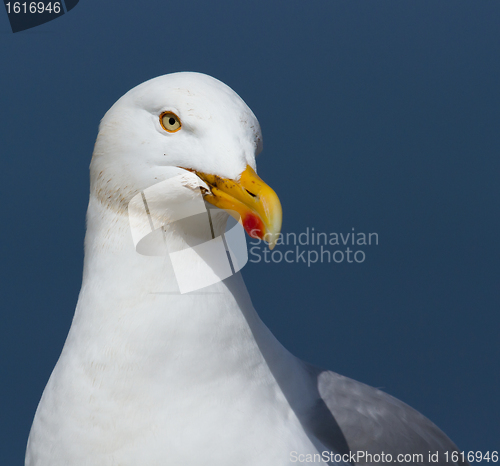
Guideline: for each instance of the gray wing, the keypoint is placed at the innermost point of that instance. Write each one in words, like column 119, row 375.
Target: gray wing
column 374, row 422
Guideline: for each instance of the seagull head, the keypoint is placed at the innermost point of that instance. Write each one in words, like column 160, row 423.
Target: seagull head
column 186, row 122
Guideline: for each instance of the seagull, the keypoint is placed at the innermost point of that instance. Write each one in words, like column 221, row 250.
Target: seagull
column 153, row 375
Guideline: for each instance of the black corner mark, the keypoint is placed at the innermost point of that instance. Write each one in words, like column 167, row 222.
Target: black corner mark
column 70, row 4
column 29, row 14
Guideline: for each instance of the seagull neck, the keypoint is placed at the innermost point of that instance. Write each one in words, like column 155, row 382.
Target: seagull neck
column 126, row 309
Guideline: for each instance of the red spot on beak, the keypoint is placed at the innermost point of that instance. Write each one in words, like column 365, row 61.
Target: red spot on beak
column 253, row 226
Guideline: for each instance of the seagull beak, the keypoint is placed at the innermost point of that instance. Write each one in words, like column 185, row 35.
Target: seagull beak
column 255, row 202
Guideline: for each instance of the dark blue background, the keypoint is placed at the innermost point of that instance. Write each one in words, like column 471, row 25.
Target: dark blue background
column 378, row 115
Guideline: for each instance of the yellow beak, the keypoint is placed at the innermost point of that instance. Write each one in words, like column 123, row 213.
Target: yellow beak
column 255, row 202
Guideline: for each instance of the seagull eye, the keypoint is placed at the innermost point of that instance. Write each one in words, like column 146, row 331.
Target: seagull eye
column 170, row 122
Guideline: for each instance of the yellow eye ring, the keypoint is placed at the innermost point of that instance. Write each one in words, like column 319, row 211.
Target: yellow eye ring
column 170, row 122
